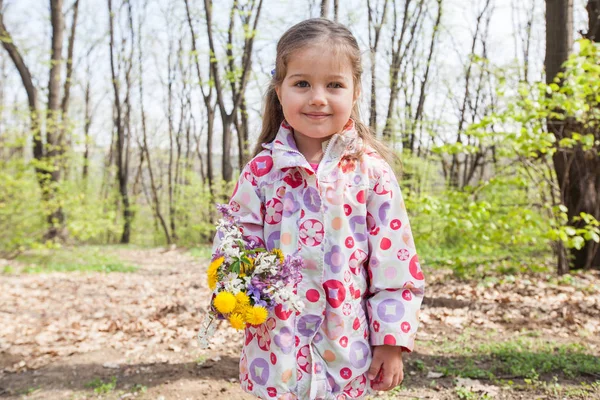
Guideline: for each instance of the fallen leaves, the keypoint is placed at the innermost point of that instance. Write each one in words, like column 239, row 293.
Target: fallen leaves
column 536, row 302
column 46, row 316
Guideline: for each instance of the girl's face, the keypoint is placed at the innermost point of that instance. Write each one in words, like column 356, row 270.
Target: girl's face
column 317, row 93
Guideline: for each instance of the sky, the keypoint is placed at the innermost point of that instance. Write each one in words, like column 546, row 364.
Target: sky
column 28, row 21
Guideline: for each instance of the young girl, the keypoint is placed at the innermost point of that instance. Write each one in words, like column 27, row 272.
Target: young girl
column 319, row 186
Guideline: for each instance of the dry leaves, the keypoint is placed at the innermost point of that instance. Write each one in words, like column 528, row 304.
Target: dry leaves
column 155, row 310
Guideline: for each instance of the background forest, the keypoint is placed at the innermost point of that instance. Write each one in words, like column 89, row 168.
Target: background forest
column 122, row 123
column 118, row 126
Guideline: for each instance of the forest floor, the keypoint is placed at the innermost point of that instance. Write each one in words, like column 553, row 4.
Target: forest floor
column 118, row 335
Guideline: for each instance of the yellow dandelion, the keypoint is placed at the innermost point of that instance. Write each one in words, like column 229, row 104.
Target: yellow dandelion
column 279, row 254
column 256, row 315
column 212, row 281
column 241, row 309
column 224, row 302
column 212, row 272
column 242, row 299
column 237, row 321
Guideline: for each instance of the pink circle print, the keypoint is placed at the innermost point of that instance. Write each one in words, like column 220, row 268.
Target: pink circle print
column 311, row 232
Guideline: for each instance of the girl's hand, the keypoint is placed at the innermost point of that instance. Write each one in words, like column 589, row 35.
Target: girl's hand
column 387, row 370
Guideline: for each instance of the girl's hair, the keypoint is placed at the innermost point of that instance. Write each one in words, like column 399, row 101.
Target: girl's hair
column 308, row 33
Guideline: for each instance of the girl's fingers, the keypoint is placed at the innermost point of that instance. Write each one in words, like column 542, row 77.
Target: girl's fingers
column 386, row 381
column 376, row 364
column 398, row 379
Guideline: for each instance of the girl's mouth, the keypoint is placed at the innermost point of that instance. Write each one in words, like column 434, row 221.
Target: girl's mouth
column 317, row 116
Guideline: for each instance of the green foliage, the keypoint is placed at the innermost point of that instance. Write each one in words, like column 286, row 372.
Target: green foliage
column 84, row 258
column 201, row 252
column 101, row 387
column 491, row 224
column 89, row 218
column 22, row 220
column 525, row 180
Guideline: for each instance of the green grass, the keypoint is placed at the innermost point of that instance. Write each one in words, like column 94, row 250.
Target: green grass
column 484, row 356
column 101, row 387
column 84, row 258
column 204, row 252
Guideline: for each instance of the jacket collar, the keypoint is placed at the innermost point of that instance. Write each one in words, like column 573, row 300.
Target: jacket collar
column 285, row 151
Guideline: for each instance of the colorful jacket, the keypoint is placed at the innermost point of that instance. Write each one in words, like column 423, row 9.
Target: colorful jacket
column 361, row 283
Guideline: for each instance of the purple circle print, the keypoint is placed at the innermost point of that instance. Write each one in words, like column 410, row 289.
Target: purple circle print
column 273, row 240
column 359, row 353
column 259, row 371
column 308, row 324
column 312, row 200
column 358, row 225
column 390, row 310
column 383, row 212
column 285, row 340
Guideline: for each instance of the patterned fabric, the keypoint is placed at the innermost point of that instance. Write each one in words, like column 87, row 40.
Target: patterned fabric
column 362, row 283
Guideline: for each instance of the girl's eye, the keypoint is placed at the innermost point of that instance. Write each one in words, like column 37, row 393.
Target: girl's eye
column 302, row 84
column 336, row 85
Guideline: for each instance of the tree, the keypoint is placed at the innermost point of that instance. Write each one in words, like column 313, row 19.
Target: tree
column 48, row 151
column 577, row 168
column 240, row 78
column 375, row 25
column 209, row 104
column 404, row 33
column 122, row 119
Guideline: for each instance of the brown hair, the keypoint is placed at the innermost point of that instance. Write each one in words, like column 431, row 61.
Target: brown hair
column 303, row 34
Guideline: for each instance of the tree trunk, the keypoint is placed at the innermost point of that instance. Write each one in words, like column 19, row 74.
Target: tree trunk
column 336, row 9
column 593, row 9
column 208, row 103
column 121, row 149
column 86, row 132
column 324, row 8
column 577, row 171
column 375, row 25
column 55, row 146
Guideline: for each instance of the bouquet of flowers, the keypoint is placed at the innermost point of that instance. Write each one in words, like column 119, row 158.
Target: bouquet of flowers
column 247, row 281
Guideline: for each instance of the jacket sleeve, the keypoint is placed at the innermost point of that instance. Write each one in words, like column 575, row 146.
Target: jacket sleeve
column 247, row 206
column 396, row 284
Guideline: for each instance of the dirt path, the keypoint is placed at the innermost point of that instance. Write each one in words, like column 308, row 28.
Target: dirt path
column 132, row 335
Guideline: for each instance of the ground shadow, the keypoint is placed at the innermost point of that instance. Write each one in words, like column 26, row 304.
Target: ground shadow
column 488, row 368
column 76, row 377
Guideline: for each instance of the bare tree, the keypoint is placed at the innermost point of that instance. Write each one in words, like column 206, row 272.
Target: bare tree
column 50, row 150
column 227, row 118
column 523, row 32
column 122, row 118
column 418, row 117
column 209, row 104
column 403, row 40
column 154, row 201
column 453, row 172
column 376, row 19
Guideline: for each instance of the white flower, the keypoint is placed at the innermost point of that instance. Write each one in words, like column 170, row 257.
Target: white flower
column 265, row 262
column 233, row 252
column 285, row 295
column 233, row 283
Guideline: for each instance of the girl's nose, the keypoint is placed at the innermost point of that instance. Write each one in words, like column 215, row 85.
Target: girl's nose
column 318, row 97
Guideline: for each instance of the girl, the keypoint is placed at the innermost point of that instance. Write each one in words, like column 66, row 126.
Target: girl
column 319, row 186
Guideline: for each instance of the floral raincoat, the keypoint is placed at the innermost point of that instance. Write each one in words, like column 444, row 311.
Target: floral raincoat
column 361, row 282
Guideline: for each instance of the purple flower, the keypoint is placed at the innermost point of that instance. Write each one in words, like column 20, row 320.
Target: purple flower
column 253, row 292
